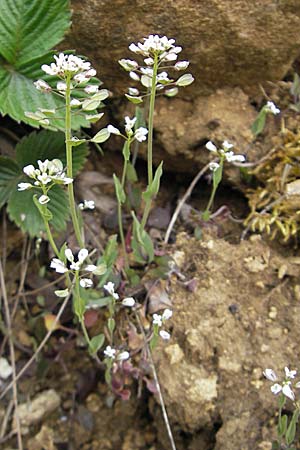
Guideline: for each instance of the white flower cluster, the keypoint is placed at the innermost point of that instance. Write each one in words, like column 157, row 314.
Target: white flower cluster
column 224, row 153
column 69, row 64
column 159, row 319
column 140, row 134
column 110, row 289
column 47, row 174
column 272, row 108
column 86, row 204
column 60, row 267
column 111, row 353
column 285, row 386
column 159, row 51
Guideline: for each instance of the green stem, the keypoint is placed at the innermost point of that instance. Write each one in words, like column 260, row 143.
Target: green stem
column 50, row 237
column 150, row 140
column 212, row 195
column 70, row 163
column 122, row 235
column 150, row 120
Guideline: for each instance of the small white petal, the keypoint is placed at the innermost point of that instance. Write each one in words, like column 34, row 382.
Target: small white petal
column 270, row 374
column 287, row 391
column 123, row 356
column 276, row 388
column 58, row 265
column 82, row 255
column 210, row 146
column 5, row 369
column 110, row 352
column 290, row 373
column 43, row 199
column 113, row 130
column 167, row 314
column 86, row 283
column 69, row 255
column 164, row 335
column 128, row 301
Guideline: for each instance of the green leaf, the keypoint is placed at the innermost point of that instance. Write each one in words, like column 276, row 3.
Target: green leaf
column 259, row 123
column 101, row 136
column 141, row 243
column 119, row 190
column 131, row 174
column 153, row 188
column 217, row 176
column 291, row 430
column 24, row 213
column 96, row 343
column 111, row 324
column 79, row 305
column 21, row 207
column 48, row 145
column 282, row 425
column 126, row 150
column 9, row 178
column 28, row 30
column 134, row 100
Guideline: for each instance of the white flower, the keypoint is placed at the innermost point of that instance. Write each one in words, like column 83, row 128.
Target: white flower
column 290, row 373
column 154, row 44
column 141, row 134
column 110, row 288
column 214, row 166
column 42, row 86
column 133, row 91
column 164, row 335
column 231, row 157
column 5, row 369
column 163, row 76
column 276, row 388
column 284, row 388
column 149, row 61
column 86, row 283
column 172, row 56
column 87, row 204
column 181, row 65
column 157, row 320
column 29, row 171
column 43, row 199
column 123, row 356
column 167, row 314
column 58, row 265
column 128, row 64
column 270, row 375
column 128, row 301
column 91, row 89
column 226, row 145
column 61, row 86
column 24, row 186
column 110, row 352
column 75, row 102
column 134, row 76
column 211, row 147
column 272, row 108
column 82, row 255
column 129, row 124
column 113, row 130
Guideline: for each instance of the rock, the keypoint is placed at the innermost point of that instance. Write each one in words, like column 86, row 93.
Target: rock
column 228, row 42
column 32, row 412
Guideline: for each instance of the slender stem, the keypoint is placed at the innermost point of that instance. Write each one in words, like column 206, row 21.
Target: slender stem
column 50, row 237
column 150, row 140
column 70, row 163
column 150, row 120
column 213, row 193
column 120, row 223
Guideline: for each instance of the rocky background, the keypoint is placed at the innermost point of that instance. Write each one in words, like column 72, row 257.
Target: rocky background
column 233, row 47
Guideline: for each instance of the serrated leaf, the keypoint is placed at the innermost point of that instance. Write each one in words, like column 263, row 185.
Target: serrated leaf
column 21, row 207
column 9, row 178
column 24, row 213
column 28, row 30
column 48, row 145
